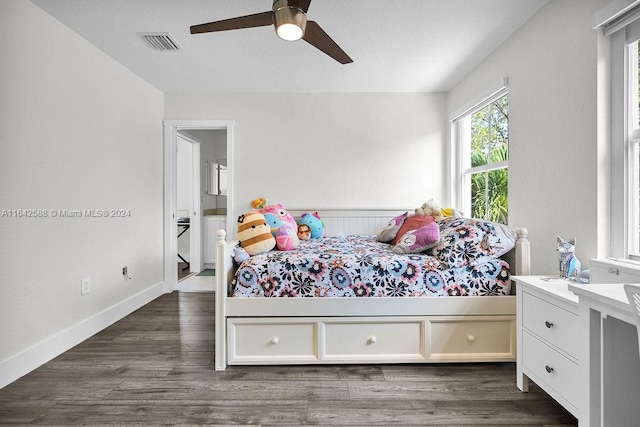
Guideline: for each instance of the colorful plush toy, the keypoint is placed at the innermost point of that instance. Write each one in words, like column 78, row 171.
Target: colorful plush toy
column 274, row 222
column 304, row 232
column 254, row 233
column 259, row 203
column 287, row 238
column 451, row 212
column 281, row 212
column 315, row 224
column 239, row 254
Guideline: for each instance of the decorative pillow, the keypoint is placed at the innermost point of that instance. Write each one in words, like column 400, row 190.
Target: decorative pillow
column 466, row 241
column 390, row 230
column 412, row 223
column 416, row 241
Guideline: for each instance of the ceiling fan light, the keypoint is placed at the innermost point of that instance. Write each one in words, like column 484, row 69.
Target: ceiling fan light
column 290, row 23
column 289, row 32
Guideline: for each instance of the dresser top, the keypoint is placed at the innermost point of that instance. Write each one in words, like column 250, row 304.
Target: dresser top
column 552, row 286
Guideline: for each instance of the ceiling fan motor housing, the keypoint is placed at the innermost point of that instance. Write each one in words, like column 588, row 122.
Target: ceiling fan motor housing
column 286, row 15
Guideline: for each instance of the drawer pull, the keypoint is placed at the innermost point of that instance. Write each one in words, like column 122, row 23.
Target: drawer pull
column 548, row 368
column 372, row 340
column 275, row 340
column 471, row 338
column 548, row 324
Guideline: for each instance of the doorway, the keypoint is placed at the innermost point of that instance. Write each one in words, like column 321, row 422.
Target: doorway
column 172, row 128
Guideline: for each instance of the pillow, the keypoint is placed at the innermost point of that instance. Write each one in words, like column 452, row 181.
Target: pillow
column 416, row 241
column 466, row 241
column 412, row 223
column 390, row 230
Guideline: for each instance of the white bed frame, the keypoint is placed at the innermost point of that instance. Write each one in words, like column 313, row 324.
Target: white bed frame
column 286, row 331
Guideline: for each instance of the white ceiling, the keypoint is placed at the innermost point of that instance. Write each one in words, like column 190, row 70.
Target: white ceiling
column 396, row 46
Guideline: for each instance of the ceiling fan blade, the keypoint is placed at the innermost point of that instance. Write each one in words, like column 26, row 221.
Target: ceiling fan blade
column 314, row 35
column 249, row 21
column 301, row 4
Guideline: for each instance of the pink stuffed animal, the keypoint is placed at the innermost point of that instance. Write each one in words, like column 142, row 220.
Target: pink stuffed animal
column 287, row 238
column 281, row 212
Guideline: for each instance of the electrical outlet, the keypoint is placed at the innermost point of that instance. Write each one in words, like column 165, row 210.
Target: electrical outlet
column 125, row 272
column 85, row 285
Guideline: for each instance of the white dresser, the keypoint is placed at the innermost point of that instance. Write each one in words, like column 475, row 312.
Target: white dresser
column 548, row 336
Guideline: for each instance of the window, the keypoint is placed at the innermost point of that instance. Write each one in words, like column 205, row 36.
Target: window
column 482, row 137
column 623, row 31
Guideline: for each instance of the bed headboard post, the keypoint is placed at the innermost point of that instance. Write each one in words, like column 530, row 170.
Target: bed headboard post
column 522, row 253
column 223, row 262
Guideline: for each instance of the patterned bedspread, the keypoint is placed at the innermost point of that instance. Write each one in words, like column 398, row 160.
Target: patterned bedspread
column 359, row 266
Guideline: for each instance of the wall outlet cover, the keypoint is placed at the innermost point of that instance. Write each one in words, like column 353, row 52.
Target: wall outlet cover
column 85, row 285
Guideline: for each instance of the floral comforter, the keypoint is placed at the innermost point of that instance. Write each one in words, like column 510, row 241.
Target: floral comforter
column 359, row 266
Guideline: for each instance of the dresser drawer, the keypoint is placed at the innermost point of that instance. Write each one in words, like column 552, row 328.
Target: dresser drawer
column 472, row 340
column 272, row 342
column 556, row 371
column 557, row 326
column 379, row 340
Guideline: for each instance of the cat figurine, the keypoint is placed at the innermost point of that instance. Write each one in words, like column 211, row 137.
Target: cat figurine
column 568, row 263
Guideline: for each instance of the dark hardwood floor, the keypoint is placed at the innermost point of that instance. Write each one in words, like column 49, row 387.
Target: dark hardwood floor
column 155, row 367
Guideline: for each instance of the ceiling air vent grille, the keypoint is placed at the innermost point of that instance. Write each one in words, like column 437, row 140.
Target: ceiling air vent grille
column 160, row 41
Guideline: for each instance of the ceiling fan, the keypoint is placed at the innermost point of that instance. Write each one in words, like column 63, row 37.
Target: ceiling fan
column 290, row 21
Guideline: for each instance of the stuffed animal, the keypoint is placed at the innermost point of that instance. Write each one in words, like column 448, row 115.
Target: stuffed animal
column 254, row 233
column 315, row 224
column 287, row 238
column 259, row 203
column 274, row 222
column 239, row 254
column 451, row 212
column 569, row 265
column 430, row 208
column 304, row 232
column 281, row 212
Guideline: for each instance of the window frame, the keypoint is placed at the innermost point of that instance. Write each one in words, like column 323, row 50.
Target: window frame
column 624, row 142
column 460, row 123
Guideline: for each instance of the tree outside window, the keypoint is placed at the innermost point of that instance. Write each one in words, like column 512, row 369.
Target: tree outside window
column 483, row 140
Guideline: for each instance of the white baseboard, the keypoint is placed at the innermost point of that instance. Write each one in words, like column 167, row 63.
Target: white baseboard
column 35, row 356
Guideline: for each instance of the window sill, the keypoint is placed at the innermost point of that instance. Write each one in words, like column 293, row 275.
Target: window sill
column 614, row 270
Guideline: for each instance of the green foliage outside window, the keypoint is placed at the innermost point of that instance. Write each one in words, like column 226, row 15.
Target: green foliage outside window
column 490, row 144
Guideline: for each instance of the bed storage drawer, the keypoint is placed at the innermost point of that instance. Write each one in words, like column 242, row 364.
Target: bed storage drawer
column 272, row 341
column 300, row 340
column 472, row 339
column 375, row 340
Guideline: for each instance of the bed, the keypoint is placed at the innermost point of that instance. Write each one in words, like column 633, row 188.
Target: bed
column 276, row 316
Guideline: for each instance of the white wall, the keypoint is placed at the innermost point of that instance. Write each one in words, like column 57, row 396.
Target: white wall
column 553, row 154
column 318, row 151
column 77, row 131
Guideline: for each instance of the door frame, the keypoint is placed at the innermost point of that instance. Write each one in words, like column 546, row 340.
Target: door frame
column 170, row 235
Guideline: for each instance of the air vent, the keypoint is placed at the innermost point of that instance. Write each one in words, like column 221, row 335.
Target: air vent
column 160, row 41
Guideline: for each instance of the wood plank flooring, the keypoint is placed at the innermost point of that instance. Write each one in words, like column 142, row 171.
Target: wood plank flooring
column 155, row 367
